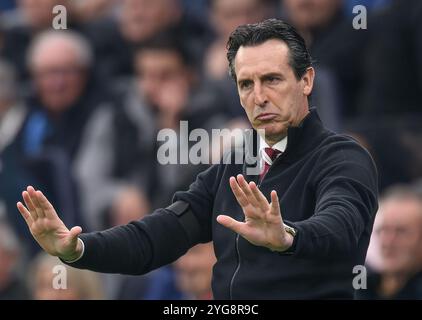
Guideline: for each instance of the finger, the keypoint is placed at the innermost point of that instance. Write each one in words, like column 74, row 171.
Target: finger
column 30, row 205
column 46, row 206
column 275, row 205
column 247, row 190
column 34, row 198
column 28, row 201
column 260, row 198
column 25, row 213
column 238, row 193
column 231, row 224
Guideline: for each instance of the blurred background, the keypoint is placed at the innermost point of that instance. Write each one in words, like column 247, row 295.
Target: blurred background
column 80, row 110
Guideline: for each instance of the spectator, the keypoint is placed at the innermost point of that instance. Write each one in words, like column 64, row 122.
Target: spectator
column 399, row 235
column 194, row 272
column 79, row 284
column 33, row 17
column 140, row 21
column 65, row 97
column 124, row 142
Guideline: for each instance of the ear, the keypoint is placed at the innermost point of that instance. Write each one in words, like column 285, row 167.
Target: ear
column 308, row 81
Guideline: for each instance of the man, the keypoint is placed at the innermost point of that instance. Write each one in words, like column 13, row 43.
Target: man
column 63, row 109
column 325, row 183
column 194, row 272
column 397, row 235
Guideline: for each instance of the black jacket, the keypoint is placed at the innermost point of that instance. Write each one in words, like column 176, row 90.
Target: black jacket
column 327, row 186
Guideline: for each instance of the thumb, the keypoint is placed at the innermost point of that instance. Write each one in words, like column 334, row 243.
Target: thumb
column 74, row 233
column 224, row 220
column 231, row 223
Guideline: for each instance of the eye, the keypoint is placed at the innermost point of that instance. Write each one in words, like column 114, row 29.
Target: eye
column 246, row 84
column 272, row 79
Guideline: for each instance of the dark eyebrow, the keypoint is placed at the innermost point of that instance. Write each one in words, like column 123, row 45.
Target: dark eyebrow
column 243, row 81
column 272, row 75
column 263, row 77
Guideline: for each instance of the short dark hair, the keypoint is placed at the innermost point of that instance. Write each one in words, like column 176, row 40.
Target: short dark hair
column 167, row 40
column 254, row 34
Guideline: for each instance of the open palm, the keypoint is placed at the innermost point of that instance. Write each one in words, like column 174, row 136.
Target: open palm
column 263, row 225
column 47, row 228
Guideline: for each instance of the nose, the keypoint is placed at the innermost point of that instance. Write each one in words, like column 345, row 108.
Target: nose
column 260, row 99
column 387, row 237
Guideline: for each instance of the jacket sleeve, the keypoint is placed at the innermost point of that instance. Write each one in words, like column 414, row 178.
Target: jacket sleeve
column 154, row 241
column 346, row 202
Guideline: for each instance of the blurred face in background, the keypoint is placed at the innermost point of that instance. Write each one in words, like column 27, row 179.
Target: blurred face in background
column 141, row 19
column 75, row 284
column 130, row 204
column 59, row 76
column 194, row 271
column 7, row 263
column 400, row 235
column 306, row 14
column 43, row 286
column 163, row 79
column 38, row 13
column 226, row 15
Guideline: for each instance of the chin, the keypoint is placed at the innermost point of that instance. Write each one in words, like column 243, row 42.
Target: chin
column 272, row 130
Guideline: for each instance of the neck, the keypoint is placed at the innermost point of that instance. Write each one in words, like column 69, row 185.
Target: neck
column 273, row 140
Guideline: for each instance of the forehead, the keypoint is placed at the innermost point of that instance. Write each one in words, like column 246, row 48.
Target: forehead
column 270, row 56
column 55, row 52
column 159, row 57
column 404, row 211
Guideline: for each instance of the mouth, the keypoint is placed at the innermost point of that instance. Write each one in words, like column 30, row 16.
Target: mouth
column 266, row 116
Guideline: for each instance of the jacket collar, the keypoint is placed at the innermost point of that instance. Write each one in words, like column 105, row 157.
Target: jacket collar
column 300, row 139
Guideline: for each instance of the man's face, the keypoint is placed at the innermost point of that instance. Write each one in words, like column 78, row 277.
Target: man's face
column 269, row 92
column 44, row 290
column 194, row 270
column 163, row 79
column 58, row 76
column 400, row 235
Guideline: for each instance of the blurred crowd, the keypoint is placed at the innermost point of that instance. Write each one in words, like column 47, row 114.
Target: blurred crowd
column 80, row 110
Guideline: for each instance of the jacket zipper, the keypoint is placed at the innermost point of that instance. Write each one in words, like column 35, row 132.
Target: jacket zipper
column 237, row 239
column 237, row 268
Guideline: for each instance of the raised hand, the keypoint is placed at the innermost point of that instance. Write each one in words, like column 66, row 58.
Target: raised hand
column 263, row 225
column 47, row 228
